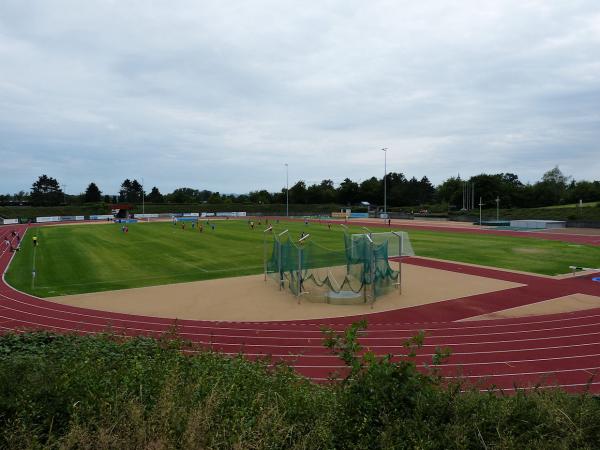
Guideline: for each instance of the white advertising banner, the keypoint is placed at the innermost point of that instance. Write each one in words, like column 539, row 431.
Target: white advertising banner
column 231, row 214
column 67, row 218
column 47, row 219
column 101, row 217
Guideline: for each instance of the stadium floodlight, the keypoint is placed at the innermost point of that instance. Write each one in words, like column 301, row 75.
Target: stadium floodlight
column 287, row 192
column 385, row 180
column 143, row 203
column 480, row 205
column 303, row 237
column 282, row 233
column 497, row 208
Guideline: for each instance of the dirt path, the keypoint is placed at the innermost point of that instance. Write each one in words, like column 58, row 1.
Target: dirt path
column 567, row 303
column 252, row 299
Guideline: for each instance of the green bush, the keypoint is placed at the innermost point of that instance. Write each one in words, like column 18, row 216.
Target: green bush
column 106, row 391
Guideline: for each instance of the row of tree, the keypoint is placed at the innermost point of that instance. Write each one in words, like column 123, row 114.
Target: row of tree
column 554, row 188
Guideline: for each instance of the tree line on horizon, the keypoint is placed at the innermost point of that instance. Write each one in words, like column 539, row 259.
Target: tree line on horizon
column 554, row 188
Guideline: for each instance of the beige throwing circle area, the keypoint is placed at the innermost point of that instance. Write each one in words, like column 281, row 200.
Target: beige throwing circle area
column 250, row 298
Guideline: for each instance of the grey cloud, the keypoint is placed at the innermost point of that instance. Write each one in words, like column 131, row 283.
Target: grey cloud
column 220, row 95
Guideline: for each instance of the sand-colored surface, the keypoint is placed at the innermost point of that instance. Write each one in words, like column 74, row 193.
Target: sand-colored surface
column 252, row 299
column 568, row 303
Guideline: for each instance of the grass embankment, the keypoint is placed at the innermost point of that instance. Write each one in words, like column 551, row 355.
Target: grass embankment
column 102, row 392
column 89, row 258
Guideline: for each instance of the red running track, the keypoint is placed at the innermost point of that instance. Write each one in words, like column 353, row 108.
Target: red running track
column 407, row 225
column 550, row 350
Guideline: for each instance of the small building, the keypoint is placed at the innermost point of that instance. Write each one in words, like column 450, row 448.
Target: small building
column 122, row 210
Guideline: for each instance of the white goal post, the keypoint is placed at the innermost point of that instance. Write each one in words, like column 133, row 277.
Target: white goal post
column 398, row 242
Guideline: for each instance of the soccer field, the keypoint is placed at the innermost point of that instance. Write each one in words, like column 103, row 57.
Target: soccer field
column 89, row 258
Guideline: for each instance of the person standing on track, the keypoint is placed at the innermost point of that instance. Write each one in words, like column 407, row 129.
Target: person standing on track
column 35, row 241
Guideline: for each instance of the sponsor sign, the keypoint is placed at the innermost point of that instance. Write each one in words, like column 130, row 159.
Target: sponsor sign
column 10, row 221
column 72, row 218
column 339, row 215
column 101, row 217
column 47, row 219
column 231, row 214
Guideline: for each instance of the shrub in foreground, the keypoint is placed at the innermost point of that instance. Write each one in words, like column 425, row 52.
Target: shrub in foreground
column 104, row 391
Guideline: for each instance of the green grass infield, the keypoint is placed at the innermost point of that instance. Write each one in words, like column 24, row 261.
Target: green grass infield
column 89, row 258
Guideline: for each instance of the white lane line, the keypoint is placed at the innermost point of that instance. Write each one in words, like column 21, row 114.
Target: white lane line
column 445, row 377
column 218, row 327
column 487, row 352
column 557, row 371
column 244, row 345
column 212, row 335
column 451, row 377
column 519, row 388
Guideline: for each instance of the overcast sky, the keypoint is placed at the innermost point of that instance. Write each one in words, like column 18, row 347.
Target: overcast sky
column 219, row 95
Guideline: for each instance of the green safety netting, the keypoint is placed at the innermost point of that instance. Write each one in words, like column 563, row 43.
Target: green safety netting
column 360, row 271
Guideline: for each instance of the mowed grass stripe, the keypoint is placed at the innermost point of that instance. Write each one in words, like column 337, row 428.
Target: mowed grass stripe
column 89, row 258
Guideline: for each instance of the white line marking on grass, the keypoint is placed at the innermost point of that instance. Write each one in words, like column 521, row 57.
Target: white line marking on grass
column 187, row 263
column 33, row 269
